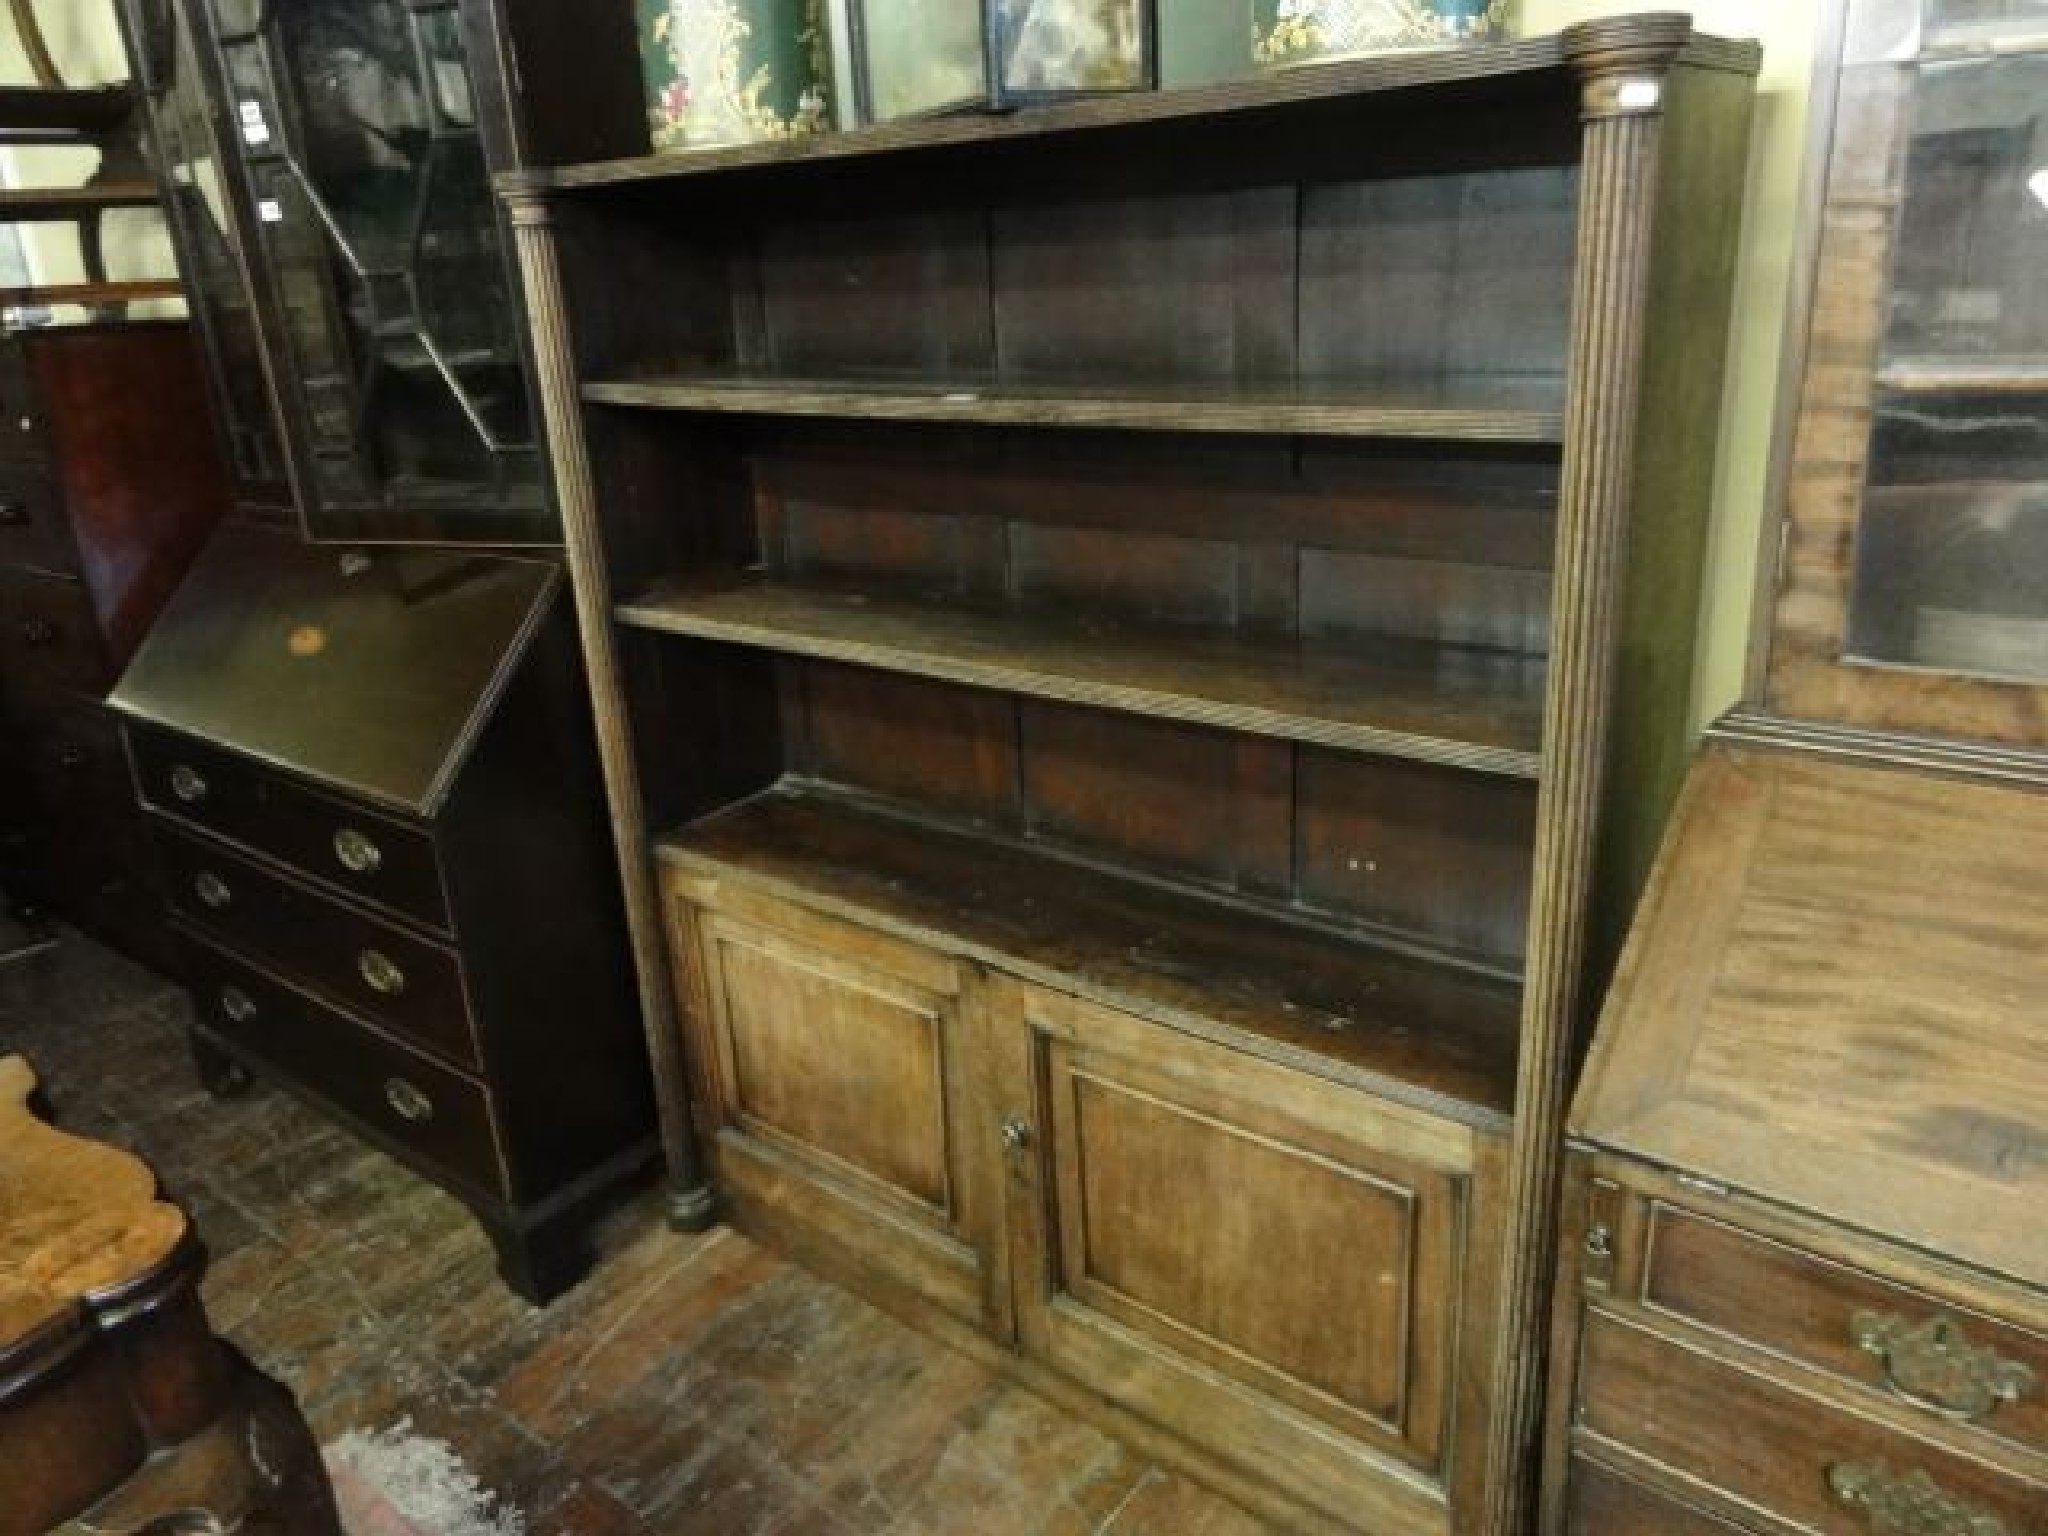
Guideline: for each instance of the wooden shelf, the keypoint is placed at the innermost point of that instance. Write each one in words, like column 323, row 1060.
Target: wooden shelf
column 1507, row 408
column 1423, row 1032
column 37, row 113
column 1537, row 66
column 1458, row 706
column 96, row 293
column 1932, row 375
column 26, row 204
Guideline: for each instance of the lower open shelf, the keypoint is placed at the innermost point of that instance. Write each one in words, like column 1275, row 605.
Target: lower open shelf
column 1421, row 1031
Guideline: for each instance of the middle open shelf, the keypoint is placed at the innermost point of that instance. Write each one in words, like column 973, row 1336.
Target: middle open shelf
column 1461, row 706
column 1405, row 1025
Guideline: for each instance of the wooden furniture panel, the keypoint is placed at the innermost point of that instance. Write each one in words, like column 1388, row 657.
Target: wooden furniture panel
column 1913, row 1347
column 1604, row 1503
column 405, row 887
column 838, row 1078
column 375, row 968
column 373, row 1080
column 373, row 857
column 50, row 643
column 1264, row 702
column 1812, row 1464
column 1338, row 1208
column 119, row 1408
column 34, row 530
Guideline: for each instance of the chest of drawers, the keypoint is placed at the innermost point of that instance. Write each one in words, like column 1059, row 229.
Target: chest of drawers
column 1805, row 1285
column 109, row 483
column 369, row 783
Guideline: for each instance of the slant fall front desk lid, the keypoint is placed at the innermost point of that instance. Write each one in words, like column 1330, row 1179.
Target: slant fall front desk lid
column 368, row 670
column 1835, row 998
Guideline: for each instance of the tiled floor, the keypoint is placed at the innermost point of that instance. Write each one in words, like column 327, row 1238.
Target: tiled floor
column 692, row 1385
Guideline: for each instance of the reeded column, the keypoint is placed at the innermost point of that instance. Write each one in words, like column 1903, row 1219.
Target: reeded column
column 1622, row 65
column 690, row 1202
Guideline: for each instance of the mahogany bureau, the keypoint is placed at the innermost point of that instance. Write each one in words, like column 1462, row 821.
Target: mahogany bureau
column 369, row 779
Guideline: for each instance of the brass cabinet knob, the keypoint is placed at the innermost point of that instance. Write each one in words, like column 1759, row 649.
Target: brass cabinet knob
column 1600, row 1242
column 356, row 853
column 211, row 890
column 188, row 783
column 1907, row 1504
column 1017, row 1134
column 237, row 1004
column 380, row 972
column 408, row 1102
column 38, row 631
column 13, row 514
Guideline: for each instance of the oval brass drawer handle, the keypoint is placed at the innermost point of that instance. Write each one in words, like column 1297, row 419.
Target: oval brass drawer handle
column 380, row 972
column 1912, row 1504
column 1935, row 1365
column 355, row 852
column 407, row 1102
column 211, row 890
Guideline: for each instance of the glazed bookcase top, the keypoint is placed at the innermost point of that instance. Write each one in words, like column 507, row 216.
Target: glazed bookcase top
column 1537, row 65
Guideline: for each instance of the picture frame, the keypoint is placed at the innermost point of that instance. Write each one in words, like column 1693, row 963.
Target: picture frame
column 920, row 58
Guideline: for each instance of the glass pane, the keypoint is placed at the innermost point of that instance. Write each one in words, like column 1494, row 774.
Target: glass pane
column 2001, row 15
column 198, row 194
column 388, row 252
column 1973, row 232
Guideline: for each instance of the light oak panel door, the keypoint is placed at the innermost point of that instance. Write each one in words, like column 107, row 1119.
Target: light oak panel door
column 1264, row 1261
column 839, row 1071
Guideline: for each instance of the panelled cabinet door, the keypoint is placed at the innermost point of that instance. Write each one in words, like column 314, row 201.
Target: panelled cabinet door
column 843, row 1091
column 1269, row 1263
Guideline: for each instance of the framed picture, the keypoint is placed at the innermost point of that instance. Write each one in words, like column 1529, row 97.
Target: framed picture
column 913, row 58
column 1051, row 48
column 917, row 57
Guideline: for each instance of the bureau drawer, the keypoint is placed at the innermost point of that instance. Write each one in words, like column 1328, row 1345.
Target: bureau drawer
column 23, row 432
column 1817, row 1466
column 75, row 771
column 49, row 638
column 1604, row 1503
column 434, row 1114
column 1957, row 1364
column 33, row 529
column 368, row 855
column 360, row 962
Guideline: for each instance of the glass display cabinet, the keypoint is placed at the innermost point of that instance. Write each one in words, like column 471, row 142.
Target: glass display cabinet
column 354, row 154
column 1913, row 589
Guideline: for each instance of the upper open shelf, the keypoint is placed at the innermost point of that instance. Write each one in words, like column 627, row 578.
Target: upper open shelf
column 31, row 114
column 1526, row 408
column 1536, row 67
column 1454, row 705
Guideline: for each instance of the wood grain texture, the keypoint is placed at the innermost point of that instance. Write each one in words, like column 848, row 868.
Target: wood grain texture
column 1618, row 189
column 1448, row 71
column 590, row 579
column 1890, row 1042
column 1453, row 705
column 1418, row 1033
column 77, row 1218
column 1479, row 408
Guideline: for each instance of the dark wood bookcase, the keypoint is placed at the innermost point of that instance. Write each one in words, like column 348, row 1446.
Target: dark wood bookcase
column 1141, row 648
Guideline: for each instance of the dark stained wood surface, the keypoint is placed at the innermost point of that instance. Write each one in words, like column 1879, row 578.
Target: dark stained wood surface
column 1505, row 408
column 1427, row 1034
column 1438, row 704
column 1539, row 60
column 1832, row 1001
